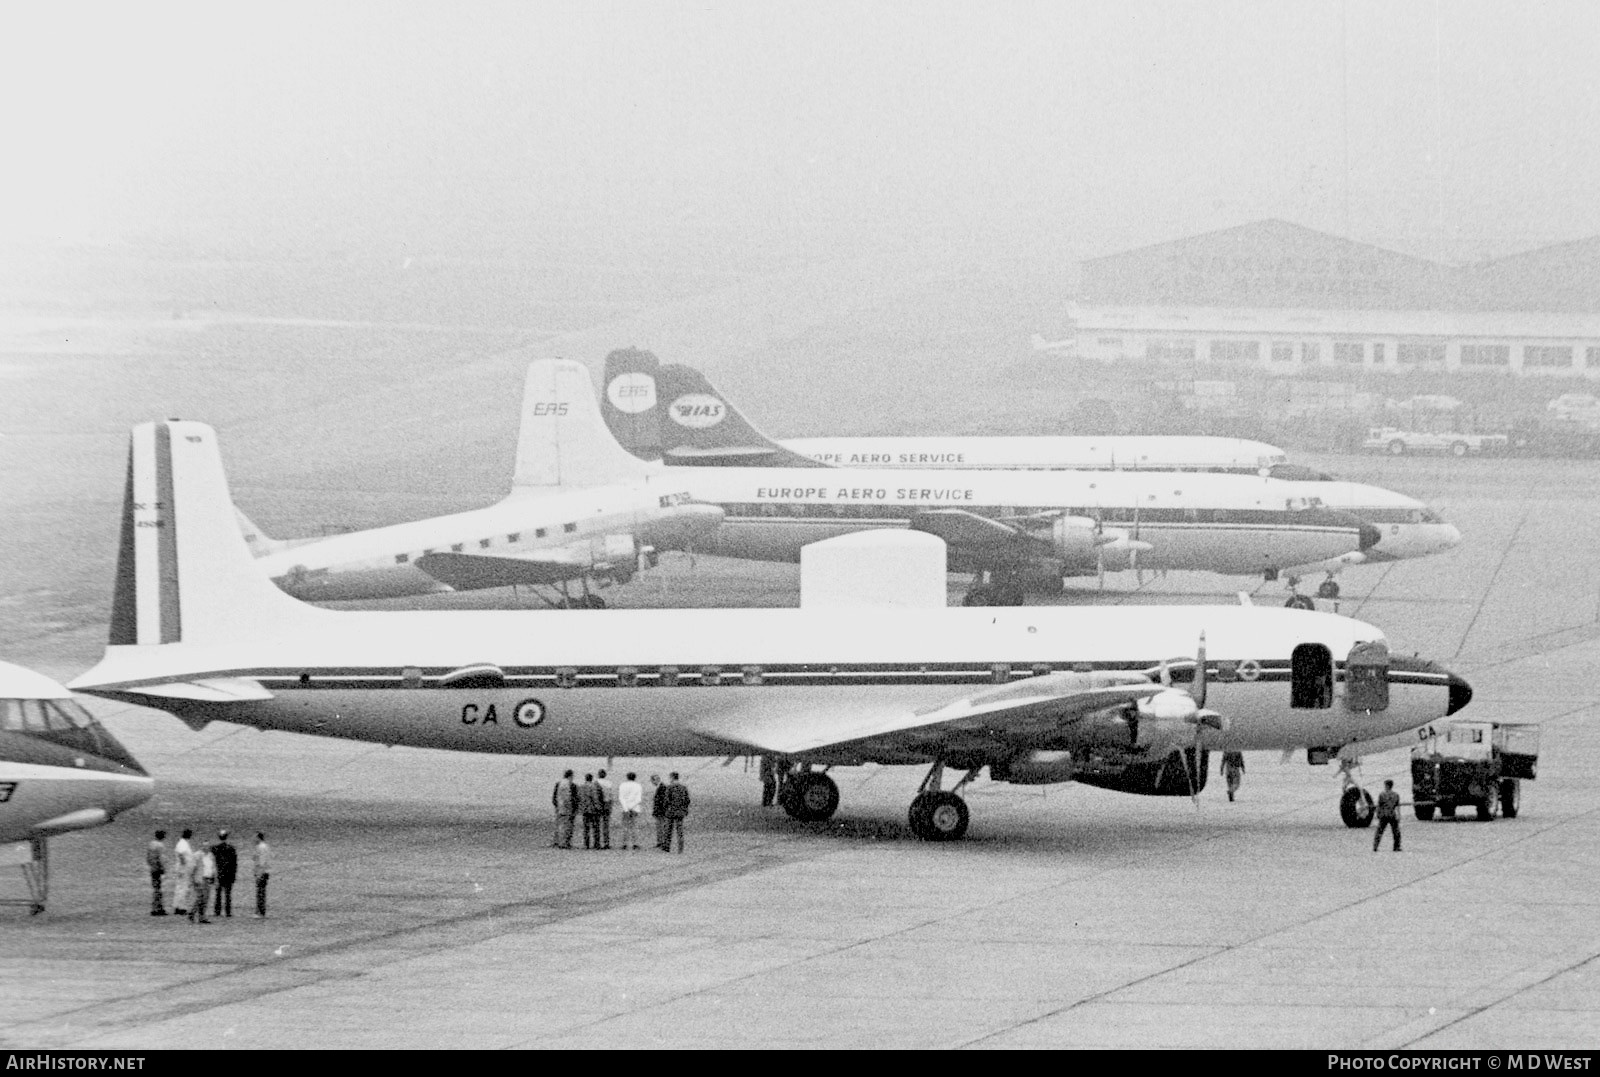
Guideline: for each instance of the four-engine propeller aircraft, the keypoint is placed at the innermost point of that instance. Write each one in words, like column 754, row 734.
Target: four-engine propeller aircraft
column 1043, row 694
column 580, row 509
column 689, row 421
column 657, row 418
column 60, row 770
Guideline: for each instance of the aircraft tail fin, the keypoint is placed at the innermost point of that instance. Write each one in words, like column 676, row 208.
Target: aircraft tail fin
column 184, row 571
column 632, row 405
column 700, row 427
column 564, row 443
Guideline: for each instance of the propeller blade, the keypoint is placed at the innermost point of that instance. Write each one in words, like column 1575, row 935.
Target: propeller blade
column 1200, row 673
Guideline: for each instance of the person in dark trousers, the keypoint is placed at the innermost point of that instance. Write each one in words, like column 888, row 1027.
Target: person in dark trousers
column 564, row 798
column 589, row 805
column 227, row 871
column 155, row 858
column 1233, row 771
column 1388, row 814
column 658, row 811
column 677, row 809
column 261, row 859
column 769, row 782
column 608, row 802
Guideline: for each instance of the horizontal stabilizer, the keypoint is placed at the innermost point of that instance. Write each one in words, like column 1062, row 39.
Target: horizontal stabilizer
column 211, row 690
column 470, row 572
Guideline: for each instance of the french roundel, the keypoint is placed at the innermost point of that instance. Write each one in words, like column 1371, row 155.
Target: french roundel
column 1249, row 670
column 632, row 393
column 529, row 713
column 697, row 411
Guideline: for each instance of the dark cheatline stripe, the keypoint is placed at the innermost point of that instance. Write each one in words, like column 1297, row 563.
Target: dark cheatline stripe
column 124, row 601
column 167, row 538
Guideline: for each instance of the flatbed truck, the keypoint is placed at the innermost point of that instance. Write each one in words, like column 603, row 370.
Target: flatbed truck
column 1480, row 765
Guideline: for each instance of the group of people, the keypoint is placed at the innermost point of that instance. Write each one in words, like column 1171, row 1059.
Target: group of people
column 595, row 801
column 203, row 875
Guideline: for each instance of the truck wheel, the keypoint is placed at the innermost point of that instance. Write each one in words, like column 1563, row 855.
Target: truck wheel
column 1397, row 447
column 1447, row 811
column 1458, row 448
column 1424, row 811
column 1355, row 808
column 1510, row 797
column 1489, row 807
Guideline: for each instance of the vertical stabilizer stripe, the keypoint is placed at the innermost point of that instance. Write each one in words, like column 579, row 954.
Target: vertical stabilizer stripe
column 167, row 539
column 146, row 524
column 124, row 602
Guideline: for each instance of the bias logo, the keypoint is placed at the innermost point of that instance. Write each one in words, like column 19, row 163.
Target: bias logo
column 632, row 393
column 697, row 411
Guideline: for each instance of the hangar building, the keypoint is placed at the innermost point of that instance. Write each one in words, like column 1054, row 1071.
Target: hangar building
column 1277, row 296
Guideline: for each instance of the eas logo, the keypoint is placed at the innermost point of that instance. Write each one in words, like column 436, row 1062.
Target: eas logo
column 549, row 408
column 632, row 393
column 697, row 411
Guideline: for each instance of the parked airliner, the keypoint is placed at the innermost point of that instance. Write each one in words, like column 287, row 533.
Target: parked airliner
column 60, row 770
column 700, row 423
column 580, row 509
column 1043, row 694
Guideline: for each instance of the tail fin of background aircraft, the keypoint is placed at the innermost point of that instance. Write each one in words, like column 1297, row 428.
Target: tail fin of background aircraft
column 632, row 405
column 564, row 443
column 701, row 428
column 184, row 571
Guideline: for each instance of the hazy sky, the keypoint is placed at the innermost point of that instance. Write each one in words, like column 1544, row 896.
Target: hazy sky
column 747, row 132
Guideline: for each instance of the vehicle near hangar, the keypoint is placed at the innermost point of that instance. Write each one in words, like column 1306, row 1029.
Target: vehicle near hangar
column 1473, row 764
column 1398, row 442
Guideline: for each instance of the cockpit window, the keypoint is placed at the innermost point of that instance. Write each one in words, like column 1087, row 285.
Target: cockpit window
column 1431, row 517
column 11, row 715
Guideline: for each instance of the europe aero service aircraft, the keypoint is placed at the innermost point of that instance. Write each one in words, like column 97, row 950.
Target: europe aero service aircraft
column 678, row 416
column 1042, row 694
column 580, row 510
column 60, row 770
column 641, row 399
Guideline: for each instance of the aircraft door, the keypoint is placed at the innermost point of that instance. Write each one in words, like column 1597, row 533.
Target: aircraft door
column 1311, row 677
column 1366, row 678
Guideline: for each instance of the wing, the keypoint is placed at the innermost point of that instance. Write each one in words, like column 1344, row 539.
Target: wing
column 1035, row 712
column 971, row 533
column 469, row 572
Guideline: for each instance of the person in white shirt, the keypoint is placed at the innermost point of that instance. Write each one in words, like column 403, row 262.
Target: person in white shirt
column 183, row 875
column 630, row 795
column 261, row 857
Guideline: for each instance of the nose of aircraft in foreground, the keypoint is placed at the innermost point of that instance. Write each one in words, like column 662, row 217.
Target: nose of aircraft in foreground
column 1460, row 694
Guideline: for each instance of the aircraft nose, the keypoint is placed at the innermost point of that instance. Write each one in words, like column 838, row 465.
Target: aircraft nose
column 1449, row 536
column 129, row 791
column 1370, row 536
column 1460, row 694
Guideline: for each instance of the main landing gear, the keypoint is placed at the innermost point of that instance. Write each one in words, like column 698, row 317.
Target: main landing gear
column 1355, row 803
column 936, row 815
column 809, row 796
column 995, row 589
column 564, row 599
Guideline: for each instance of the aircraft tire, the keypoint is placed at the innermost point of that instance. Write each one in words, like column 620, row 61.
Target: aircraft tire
column 1355, row 808
column 1510, row 797
column 1458, row 448
column 810, row 797
column 1424, row 811
column 1328, row 589
column 1397, row 447
column 1447, row 811
column 1300, row 602
column 939, row 817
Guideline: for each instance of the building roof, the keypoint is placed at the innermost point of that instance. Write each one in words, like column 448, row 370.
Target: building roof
column 1289, row 321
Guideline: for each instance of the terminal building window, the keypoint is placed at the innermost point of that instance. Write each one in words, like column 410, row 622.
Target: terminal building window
column 1377, row 354
column 1171, row 351
column 1282, row 351
column 1546, row 356
column 1311, row 353
column 1349, row 351
column 1235, row 351
column 1591, row 358
column 1485, row 355
column 1413, row 352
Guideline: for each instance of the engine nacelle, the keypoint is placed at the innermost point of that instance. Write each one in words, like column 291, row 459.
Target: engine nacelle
column 1160, row 778
column 1035, row 768
column 1076, row 538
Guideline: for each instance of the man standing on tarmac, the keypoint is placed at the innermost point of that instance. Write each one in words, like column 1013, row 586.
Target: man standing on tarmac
column 564, row 798
column 1388, row 814
column 630, row 794
column 658, row 811
column 227, row 870
column 155, row 859
column 608, row 801
column 677, row 808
